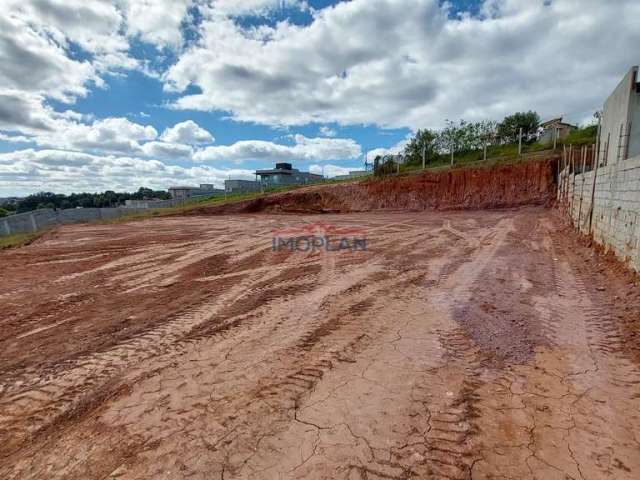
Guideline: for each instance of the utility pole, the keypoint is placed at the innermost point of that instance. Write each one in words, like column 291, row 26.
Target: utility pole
column 424, row 156
column 572, row 172
column 595, row 171
column 599, row 132
column 584, row 163
column 520, row 143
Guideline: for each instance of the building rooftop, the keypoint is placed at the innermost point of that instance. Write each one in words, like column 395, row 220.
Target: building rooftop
column 555, row 121
column 286, row 171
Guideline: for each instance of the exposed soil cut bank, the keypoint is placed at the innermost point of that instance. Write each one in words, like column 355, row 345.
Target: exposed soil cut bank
column 531, row 183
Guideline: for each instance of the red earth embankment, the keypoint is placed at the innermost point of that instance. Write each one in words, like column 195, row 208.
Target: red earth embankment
column 530, row 183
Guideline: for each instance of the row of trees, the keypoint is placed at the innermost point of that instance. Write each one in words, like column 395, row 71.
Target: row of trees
column 84, row 200
column 463, row 136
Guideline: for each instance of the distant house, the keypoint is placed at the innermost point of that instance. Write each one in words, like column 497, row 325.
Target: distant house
column 182, row 192
column 555, row 129
column 285, row 174
column 10, row 200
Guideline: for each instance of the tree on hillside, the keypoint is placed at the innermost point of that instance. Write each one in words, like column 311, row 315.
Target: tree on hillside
column 384, row 165
column 9, row 207
column 487, row 132
column 455, row 137
column 509, row 128
column 3, row 212
column 423, row 141
column 147, row 194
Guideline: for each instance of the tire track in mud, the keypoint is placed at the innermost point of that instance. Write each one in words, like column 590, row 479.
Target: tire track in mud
column 344, row 338
column 599, row 313
column 447, row 448
column 334, row 337
column 606, row 341
column 446, row 444
column 441, row 441
column 450, row 453
column 557, row 399
column 87, row 381
column 449, row 441
column 295, row 327
column 277, row 393
column 87, row 375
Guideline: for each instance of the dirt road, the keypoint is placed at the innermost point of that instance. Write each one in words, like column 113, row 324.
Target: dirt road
column 458, row 345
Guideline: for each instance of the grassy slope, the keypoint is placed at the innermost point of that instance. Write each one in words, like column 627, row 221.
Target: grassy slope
column 217, row 200
column 20, row 240
column 499, row 155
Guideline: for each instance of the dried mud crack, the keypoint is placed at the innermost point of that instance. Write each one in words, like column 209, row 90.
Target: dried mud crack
column 458, row 345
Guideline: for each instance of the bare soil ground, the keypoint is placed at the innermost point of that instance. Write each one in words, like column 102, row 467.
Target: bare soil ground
column 484, row 344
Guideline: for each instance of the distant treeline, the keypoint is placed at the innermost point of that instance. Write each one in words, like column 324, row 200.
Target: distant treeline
column 84, row 200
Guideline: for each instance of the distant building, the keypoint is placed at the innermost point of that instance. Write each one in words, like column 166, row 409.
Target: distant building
column 352, row 174
column 555, row 129
column 205, row 189
column 620, row 129
column 285, row 174
column 242, row 186
column 10, row 200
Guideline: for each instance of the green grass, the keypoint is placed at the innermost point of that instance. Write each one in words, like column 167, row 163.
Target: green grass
column 19, row 240
column 496, row 155
column 201, row 202
column 582, row 136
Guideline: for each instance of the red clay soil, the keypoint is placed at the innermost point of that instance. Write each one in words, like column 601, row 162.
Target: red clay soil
column 459, row 345
column 531, row 183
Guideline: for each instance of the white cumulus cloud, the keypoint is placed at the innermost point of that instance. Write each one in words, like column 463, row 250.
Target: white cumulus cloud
column 107, row 135
column 65, row 172
column 157, row 21
column 188, row 132
column 169, row 151
column 311, row 149
column 407, row 63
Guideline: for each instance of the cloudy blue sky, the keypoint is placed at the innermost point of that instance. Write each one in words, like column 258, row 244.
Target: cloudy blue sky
column 98, row 95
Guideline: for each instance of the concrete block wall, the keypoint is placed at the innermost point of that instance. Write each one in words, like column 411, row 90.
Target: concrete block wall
column 620, row 119
column 152, row 203
column 616, row 207
column 173, row 202
column 45, row 218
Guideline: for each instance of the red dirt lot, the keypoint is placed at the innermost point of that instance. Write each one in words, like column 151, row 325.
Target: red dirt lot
column 468, row 344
